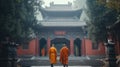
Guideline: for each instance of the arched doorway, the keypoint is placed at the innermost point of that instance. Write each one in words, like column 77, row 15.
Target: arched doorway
column 59, row 43
column 42, row 47
column 77, row 47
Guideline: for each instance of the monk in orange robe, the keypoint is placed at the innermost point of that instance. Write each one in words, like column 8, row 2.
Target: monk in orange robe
column 43, row 51
column 64, row 53
column 53, row 55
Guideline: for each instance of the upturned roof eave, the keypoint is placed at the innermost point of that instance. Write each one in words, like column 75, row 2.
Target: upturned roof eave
column 46, row 13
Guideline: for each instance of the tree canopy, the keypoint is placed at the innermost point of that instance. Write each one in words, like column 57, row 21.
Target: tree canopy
column 99, row 18
column 114, row 4
column 17, row 19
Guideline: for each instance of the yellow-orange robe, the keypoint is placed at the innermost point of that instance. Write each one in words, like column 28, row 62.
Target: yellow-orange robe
column 53, row 55
column 64, row 53
column 43, row 51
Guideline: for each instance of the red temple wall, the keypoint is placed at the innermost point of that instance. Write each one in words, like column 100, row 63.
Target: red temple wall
column 86, row 48
column 90, row 51
column 29, row 51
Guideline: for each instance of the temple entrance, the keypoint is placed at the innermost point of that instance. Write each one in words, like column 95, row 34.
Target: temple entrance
column 77, row 47
column 42, row 47
column 59, row 43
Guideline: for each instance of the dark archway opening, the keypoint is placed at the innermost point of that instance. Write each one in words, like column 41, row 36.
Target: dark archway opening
column 77, row 47
column 59, row 43
column 42, row 47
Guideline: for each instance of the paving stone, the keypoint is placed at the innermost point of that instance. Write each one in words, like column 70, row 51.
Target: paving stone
column 61, row 66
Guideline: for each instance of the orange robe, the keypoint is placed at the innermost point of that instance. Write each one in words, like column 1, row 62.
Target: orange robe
column 53, row 55
column 64, row 53
column 43, row 51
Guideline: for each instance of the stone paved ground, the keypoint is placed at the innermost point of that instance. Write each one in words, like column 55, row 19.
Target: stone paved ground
column 73, row 62
column 61, row 66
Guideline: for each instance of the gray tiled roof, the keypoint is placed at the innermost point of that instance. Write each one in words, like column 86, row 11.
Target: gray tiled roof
column 63, row 23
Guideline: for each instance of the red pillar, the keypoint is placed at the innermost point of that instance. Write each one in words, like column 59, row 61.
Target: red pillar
column 48, row 44
column 71, row 46
column 83, row 47
column 37, row 44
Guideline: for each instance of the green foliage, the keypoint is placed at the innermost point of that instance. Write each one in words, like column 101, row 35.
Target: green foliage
column 99, row 18
column 114, row 4
column 17, row 19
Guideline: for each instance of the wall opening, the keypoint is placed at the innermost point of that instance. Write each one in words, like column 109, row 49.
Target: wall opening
column 59, row 43
column 77, row 47
column 42, row 47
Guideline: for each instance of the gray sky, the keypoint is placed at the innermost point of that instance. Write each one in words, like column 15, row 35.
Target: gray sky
column 58, row 1
column 81, row 2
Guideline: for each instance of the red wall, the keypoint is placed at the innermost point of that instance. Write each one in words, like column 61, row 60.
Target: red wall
column 89, row 51
column 30, row 51
column 86, row 48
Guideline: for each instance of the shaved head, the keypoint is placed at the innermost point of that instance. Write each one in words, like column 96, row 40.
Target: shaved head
column 64, row 44
column 52, row 45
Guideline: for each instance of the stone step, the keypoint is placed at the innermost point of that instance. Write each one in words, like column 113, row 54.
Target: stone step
column 73, row 61
column 69, row 58
column 61, row 66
